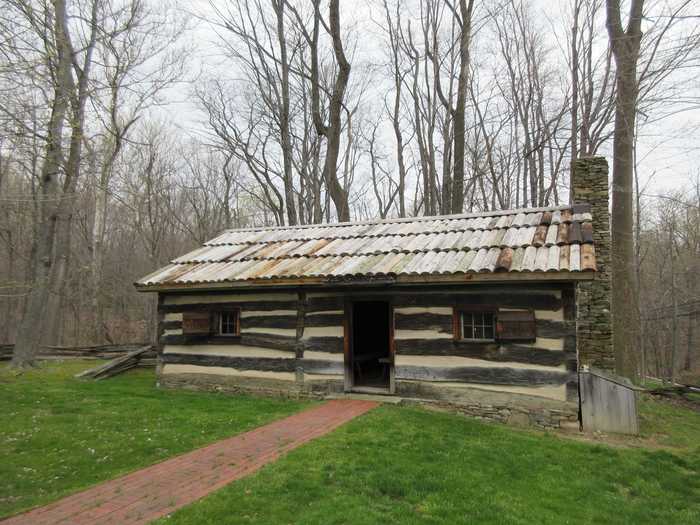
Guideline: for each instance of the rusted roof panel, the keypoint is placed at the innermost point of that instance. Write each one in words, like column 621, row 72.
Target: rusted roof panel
column 537, row 240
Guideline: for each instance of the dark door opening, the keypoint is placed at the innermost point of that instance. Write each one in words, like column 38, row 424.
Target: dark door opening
column 371, row 359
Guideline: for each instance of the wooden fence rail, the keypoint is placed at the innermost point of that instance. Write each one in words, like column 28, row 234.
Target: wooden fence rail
column 106, row 352
column 117, row 365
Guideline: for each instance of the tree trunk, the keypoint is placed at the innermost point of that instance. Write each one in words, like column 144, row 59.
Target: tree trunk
column 332, row 131
column 692, row 319
column 285, row 135
column 674, row 304
column 111, row 150
column 625, row 45
column 641, row 339
column 96, row 264
column 465, row 9
column 447, row 189
column 396, row 113
column 9, row 302
column 29, row 332
column 574, row 94
column 52, row 323
column 62, row 242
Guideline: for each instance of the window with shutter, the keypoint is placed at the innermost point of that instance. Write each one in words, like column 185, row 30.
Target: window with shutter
column 219, row 321
column 516, row 326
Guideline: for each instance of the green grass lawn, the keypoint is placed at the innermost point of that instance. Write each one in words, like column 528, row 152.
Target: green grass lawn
column 407, row 465
column 392, row 465
column 670, row 425
column 59, row 434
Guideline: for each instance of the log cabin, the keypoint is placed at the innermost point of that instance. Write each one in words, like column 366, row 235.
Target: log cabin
column 491, row 313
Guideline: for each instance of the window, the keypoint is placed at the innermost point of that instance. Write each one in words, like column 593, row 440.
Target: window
column 478, row 326
column 213, row 320
column 489, row 323
column 228, row 323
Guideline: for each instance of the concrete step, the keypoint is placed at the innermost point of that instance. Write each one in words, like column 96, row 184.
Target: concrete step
column 386, row 398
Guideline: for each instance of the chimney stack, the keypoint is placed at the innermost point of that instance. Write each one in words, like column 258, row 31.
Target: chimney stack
column 589, row 185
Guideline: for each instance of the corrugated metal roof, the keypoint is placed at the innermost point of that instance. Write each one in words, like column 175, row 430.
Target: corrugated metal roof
column 513, row 242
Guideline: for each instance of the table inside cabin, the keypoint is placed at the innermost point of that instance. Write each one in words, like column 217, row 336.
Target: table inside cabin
column 361, row 359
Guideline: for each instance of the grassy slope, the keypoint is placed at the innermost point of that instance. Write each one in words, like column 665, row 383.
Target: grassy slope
column 670, row 425
column 406, row 465
column 59, row 435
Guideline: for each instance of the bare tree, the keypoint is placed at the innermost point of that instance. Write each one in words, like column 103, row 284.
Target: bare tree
column 424, row 120
column 527, row 86
column 248, row 139
column 670, row 242
column 336, row 98
column 432, row 52
column 393, row 28
column 307, row 159
column 625, row 44
column 140, row 58
column 207, row 193
column 465, row 24
column 256, row 40
column 285, row 133
column 148, row 187
column 592, row 86
column 53, row 239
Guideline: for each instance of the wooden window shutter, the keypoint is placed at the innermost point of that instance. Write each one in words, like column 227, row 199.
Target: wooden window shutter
column 197, row 323
column 516, row 326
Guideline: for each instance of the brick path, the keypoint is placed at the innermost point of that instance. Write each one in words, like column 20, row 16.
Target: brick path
column 155, row 491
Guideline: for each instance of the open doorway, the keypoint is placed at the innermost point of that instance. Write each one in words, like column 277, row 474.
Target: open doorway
column 371, row 357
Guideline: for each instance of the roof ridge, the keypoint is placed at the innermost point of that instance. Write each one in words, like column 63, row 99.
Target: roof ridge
column 404, row 251
column 421, row 218
column 352, row 236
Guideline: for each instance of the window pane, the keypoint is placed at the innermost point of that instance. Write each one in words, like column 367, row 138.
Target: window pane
column 488, row 326
column 478, row 325
column 228, row 323
column 467, row 324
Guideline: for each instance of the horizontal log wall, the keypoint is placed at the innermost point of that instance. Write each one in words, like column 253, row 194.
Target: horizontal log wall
column 426, row 350
column 298, row 338
column 263, row 355
column 423, row 327
column 285, row 338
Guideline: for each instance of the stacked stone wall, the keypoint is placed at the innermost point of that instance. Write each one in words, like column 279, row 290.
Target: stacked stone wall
column 593, row 298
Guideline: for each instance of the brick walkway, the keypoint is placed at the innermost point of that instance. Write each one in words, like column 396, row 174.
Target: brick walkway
column 155, row 491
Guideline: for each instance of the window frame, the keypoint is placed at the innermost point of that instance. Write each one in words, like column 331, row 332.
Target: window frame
column 458, row 322
column 219, row 322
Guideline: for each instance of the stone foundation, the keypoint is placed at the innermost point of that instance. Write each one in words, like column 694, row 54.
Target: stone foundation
column 253, row 386
column 500, row 407
column 546, row 419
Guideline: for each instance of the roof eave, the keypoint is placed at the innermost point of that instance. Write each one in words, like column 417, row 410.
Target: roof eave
column 376, row 281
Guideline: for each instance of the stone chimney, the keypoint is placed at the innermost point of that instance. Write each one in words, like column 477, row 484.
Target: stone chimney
column 589, row 185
